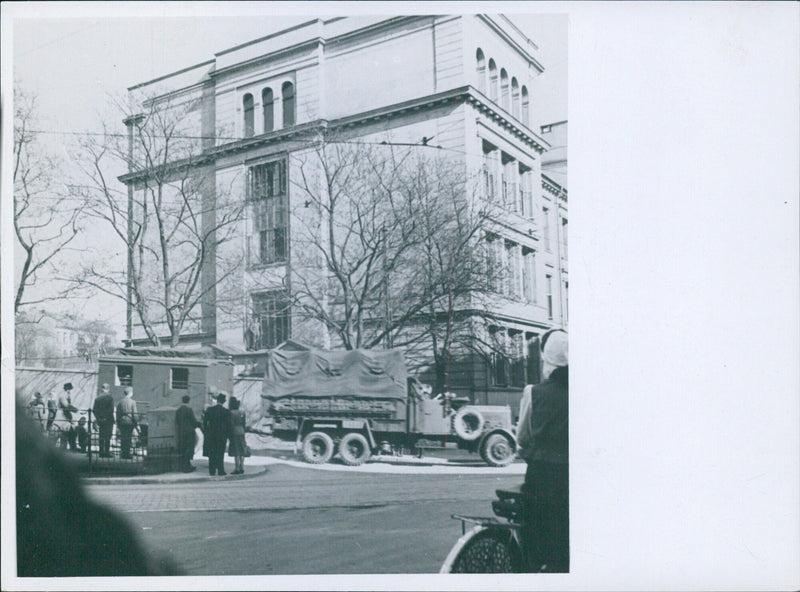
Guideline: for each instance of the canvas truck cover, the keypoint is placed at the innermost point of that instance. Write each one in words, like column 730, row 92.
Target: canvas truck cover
column 357, row 382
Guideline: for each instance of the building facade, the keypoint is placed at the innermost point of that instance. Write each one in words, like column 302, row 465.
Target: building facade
column 462, row 83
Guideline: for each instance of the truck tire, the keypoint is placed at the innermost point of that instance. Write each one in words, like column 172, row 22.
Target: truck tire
column 317, row 448
column 468, row 423
column 354, row 449
column 497, row 451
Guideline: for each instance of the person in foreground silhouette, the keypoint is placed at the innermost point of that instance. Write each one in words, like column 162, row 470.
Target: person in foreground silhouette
column 60, row 531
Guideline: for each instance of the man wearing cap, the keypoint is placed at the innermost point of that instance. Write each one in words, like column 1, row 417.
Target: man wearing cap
column 185, row 425
column 103, row 410
column 67, row 409
column 126, row 421
column 542, row 436
column 216, row 431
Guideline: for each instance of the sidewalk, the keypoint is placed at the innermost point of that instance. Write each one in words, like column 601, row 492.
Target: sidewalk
column 200, row 475
column 257, row 464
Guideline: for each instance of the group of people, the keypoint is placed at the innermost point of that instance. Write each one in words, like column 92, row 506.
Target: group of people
column 58, row 412
column 221, row 427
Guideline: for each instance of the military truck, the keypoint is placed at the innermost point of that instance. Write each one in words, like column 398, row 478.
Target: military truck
column 360, row 403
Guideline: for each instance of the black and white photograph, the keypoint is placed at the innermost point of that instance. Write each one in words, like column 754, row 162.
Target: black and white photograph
column 291, row 301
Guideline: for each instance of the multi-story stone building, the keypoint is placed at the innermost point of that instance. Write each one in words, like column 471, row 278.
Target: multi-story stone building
column 462, row 80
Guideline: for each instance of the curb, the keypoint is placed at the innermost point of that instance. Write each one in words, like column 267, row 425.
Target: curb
column 163, row 479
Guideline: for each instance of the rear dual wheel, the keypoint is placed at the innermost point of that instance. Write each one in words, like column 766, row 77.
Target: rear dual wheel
column 354, row 449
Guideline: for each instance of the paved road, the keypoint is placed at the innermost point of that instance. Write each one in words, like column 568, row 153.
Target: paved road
column 303, row 521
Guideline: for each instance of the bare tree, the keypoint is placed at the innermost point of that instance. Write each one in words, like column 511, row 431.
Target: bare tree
column 169, row 224
column 46, row 218
column 393, row 247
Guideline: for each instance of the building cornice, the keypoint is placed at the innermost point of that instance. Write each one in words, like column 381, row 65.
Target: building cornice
column 554, row 188
column 497, row 28
column 455, row 96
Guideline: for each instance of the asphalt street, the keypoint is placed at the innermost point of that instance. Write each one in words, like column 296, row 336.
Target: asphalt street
column 298, row 520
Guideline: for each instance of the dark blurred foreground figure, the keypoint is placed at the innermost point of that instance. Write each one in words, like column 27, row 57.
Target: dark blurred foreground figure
column 60, row 532
column 542, row 435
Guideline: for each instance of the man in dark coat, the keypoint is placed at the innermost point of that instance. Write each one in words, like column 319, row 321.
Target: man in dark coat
column 185, row 425
column 216, row 431
column 103, row 410
column 542, row 436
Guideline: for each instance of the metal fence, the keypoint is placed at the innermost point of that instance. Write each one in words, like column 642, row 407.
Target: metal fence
column 104, row 447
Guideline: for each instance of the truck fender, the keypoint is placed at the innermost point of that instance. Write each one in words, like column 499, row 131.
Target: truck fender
column 502, row 431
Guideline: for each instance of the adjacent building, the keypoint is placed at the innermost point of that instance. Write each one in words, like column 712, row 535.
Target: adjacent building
column 460, row 82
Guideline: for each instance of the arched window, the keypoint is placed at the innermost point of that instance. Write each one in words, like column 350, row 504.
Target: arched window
column 269, row 109
column 481, row 60
column 514, row 98
column 504, row 89
column 287, row 90
column 492, row 81
column 526, row 109
column 249, row 127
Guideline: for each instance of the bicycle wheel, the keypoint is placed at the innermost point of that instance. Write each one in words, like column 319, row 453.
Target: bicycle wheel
column 484, row 550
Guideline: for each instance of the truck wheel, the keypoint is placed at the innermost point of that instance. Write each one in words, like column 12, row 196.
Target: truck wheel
column 354, row 449
column 468, row 423
column 317, row 448
column 497, row 451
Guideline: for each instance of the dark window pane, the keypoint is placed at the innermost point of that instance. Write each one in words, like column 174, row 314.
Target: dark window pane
column 180, row 378
column 288, row 104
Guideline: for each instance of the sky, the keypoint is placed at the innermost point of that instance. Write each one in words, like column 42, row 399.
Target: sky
column 77, row 65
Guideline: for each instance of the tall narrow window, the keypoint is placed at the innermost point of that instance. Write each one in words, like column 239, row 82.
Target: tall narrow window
column 272, row 320
column 481, row 71
column 270, row 216
column 514, row 98
column 563, row 238
column 269, row 109
column 546, row 228
column 287, row 90
column 493, row 81
column 524, row 191
column 526, row 109
column 529, row 275
column 489, row 170
column 513, row 263
column 249, row 121
column 504, row 90
column 549, row 280
column 566, row 302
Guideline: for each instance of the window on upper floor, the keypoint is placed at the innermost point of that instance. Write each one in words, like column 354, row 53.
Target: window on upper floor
column 504, row 101
column 493, row 80
column 268, row 106
column 509, row 184
column 271, row 322
column 249, row 115
column 269, row 241
column 525, row 193
column 489, row 170
column 529, row 275
column 287, row 92
column 515, row 98
column 563, row 238
column 481, row 66
column 546, row 228
column 526, row 112
column 549, row 285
